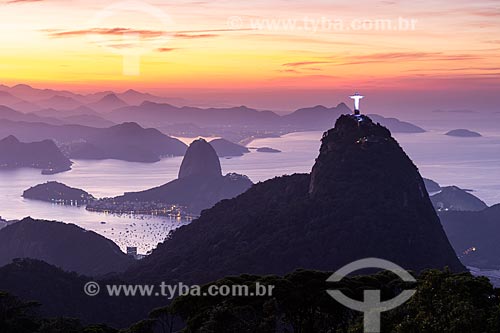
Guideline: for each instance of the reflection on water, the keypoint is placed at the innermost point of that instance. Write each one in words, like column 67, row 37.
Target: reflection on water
column 468, row 163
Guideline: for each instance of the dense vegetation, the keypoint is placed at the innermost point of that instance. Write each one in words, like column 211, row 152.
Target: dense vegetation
column 444, row 302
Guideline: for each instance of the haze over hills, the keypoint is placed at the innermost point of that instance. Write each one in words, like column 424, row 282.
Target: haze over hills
column 364, row 198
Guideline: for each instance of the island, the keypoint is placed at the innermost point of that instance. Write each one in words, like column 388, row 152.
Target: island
column 464, row 133
column 58, row 193
column 268, row 150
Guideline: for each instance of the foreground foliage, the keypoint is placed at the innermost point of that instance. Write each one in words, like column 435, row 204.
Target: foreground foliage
column 444, row 302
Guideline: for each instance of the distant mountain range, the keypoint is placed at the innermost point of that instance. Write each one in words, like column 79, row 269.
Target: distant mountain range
column 107, row 108
column 25, row 98
column 316, row 118
column 44, row 155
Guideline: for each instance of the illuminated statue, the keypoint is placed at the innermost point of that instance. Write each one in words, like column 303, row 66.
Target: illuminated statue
column 356, row 97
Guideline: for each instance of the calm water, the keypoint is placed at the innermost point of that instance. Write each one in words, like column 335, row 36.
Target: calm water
column 472, row 163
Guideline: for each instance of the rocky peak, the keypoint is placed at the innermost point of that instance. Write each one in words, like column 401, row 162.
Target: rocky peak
column 200, row 159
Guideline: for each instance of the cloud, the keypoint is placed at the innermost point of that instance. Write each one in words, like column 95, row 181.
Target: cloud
column 166, row 49
column 305, row 63
column 407, row 56
column 486, row 12
column 143, row 33
column 289, row 70
column 105, row 31
column 194, row 36
column 21, row 1
column 456, row 69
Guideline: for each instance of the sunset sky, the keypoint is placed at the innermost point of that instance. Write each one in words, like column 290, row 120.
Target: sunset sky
column 275, row 53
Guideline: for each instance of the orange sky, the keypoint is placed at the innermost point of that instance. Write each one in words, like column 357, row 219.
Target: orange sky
column 185, row 46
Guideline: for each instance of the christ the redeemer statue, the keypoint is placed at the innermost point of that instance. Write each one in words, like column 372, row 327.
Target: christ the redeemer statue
column 356, row 97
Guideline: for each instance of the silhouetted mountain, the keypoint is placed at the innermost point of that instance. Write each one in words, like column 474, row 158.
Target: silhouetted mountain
column 200, row 184
column 463, row 133
column 200, row 160
column 108, row 103
column 364, row 198
column 226, row 148
column 454, row 198
column 474, row 236
column 39, row 155
column 64, row 245
column 57, row 192
column 128, row 142
column 431, row 185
